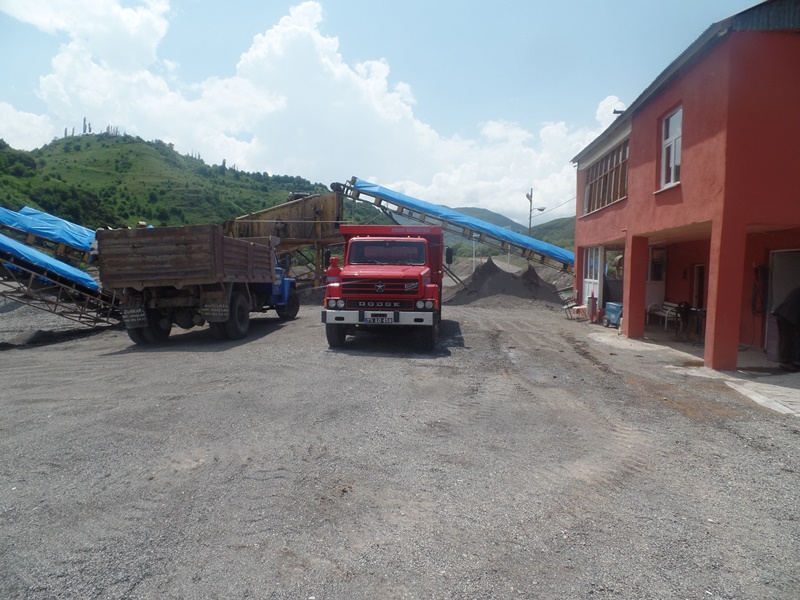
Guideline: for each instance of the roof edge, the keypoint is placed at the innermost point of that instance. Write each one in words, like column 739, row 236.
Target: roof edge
column 770, row 15
column 709, row 38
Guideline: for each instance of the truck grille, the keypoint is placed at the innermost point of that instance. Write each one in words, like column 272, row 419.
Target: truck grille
column 382, row 287
column 351, row 304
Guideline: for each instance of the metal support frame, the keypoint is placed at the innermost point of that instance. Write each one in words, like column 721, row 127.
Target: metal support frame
column 56, row 295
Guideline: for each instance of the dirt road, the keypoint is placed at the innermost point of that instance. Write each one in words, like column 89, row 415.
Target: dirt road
column 522, row 459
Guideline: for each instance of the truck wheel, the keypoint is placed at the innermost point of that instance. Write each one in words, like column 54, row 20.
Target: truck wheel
column 291, row 308
column 429, row 336
column 218, row 330
column 137, row 335
column 154, row 332
column 238, row 322
column 336, row 335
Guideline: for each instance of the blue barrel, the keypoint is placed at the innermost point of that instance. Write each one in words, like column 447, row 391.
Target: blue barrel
column 613, row 313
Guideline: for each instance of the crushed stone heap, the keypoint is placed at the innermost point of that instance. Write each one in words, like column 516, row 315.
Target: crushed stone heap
column 490, row 280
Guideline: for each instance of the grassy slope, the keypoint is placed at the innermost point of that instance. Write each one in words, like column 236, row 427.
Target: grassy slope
column 115, row 180
column 101, row 179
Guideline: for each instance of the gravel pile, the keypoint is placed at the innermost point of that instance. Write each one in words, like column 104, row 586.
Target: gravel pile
column 489, row 280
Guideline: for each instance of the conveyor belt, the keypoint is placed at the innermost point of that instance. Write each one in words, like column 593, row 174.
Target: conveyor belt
column 35, row 279
column 459, row 224
column 51, row 233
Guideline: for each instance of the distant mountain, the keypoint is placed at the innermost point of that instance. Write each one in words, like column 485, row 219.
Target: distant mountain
column 559, row 232
column 492, row 217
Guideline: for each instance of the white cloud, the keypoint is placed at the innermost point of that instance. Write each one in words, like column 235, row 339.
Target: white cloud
column 294, row 106
column 19, row 128
column 605, row 111
column 121, row 37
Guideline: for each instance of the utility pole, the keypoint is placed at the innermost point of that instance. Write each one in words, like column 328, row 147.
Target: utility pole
column 529, row 196
column 530, row 213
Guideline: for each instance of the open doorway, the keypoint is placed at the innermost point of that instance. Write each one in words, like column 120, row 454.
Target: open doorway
column 784, row 276
column 699, row 287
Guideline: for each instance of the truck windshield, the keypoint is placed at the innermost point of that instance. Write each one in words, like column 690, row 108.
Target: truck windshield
column 386, row 252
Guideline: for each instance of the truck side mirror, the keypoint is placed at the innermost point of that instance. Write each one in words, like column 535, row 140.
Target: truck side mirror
column 326, row 257
column 448, row 255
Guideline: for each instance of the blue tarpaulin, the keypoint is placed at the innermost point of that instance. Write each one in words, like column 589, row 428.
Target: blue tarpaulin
column 44, row 264
column 447, row 214
column 48, row 226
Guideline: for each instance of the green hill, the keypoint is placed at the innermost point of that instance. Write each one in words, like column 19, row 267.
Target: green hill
column 116, row 180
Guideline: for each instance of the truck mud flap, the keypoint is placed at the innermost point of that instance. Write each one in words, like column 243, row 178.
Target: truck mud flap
column 215, row 312
column 134, row 317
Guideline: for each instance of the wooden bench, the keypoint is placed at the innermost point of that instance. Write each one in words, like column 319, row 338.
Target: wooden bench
column 666, row 311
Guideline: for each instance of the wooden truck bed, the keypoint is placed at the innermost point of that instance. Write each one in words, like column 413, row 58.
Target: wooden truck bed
column 180, row 257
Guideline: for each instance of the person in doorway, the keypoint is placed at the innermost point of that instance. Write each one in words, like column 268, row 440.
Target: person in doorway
column 787, row 315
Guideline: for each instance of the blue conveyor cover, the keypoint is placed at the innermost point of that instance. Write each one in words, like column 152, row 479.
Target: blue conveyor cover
column 447, row 214
column 41, row 260
column 48, row 226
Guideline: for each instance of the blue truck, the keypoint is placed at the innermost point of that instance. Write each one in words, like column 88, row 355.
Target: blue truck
column 193, row 275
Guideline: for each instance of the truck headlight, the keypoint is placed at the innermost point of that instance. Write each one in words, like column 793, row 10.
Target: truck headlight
column 331, row 303
column 340, row 303
column 429, row 304
column 420, row 304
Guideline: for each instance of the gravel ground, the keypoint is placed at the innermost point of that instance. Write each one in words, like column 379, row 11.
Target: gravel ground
column 522, row 459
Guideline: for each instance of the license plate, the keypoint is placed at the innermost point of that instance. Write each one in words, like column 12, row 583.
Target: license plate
column 378, row 320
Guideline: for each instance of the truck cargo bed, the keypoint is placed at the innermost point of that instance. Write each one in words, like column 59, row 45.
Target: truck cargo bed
column 181, row 256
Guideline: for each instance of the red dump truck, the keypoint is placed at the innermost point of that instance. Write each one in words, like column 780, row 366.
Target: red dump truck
column 391, row 277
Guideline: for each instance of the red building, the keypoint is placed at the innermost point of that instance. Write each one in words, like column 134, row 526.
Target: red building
column 695, row 188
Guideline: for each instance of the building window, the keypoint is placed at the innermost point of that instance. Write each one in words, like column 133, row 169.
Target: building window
column 591, row 264
column 672, row 128
column 658, row 264
column 607, row 179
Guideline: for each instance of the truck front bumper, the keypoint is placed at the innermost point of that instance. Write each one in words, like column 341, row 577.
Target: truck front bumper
column 377, row 317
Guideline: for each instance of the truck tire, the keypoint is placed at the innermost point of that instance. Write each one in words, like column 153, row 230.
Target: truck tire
column 238, row 323
column 428, row 336
column 291, row 308
column 154, row 332
column 137, row 335
column 336, row 335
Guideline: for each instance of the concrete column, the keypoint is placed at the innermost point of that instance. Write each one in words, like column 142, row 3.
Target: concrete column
column 725, row 280
column 634, row 295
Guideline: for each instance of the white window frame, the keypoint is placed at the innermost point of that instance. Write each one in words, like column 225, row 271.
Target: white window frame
column 592, row 261
column 671, row 135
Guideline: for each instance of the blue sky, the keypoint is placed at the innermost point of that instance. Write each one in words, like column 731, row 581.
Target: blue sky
column 456, row 102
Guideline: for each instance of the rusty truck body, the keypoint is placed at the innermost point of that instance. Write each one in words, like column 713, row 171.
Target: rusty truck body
column 192, row 275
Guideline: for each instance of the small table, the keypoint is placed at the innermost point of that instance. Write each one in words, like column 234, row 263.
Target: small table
column 579, row 311
column 695, row 324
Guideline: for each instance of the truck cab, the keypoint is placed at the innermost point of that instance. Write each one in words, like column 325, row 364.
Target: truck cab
column 391, row 277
